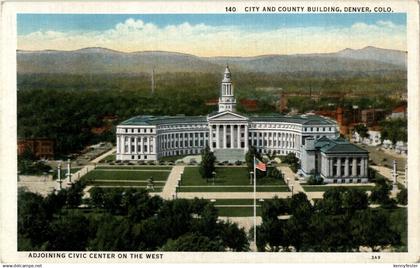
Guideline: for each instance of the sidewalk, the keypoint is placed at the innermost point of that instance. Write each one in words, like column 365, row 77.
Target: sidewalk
column 168, row 191
column 65, row 183
column 288, row 173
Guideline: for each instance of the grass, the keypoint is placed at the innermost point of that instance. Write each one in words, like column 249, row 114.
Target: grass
column 126, row 175
column 110, row 157
column 238, row 212
column 248, row 202
column 224, row 176
column 114, row 183
column 320, row 188
column 136, row 167
column 157, row 188
column 233, row 189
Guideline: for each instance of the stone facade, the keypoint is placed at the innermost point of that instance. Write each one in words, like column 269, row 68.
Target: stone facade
column 228, row 133
column 334, row 160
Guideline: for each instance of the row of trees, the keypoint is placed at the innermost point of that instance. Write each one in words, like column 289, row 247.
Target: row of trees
column 341, row 221
column 394, row 130
column 122, row 220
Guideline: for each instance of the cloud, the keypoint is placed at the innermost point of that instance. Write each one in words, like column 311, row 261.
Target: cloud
column 207, row 40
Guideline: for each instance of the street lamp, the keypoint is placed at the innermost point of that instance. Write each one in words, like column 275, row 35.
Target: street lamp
column 251, row 177
column 214, row 176
column 180, row 178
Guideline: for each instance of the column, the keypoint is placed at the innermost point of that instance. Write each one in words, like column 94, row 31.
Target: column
column 210, row 138
column 238, row 142
column 135, row 145
column 272, row 139
column 246, row 137
column 354, row 168
column 129, row 144
column 224, row 136
column 331, row 167
column 118, row 144
column 141, row 145
column 363, row 171
column 346, row 168
column 232, row 130
column 338, row 166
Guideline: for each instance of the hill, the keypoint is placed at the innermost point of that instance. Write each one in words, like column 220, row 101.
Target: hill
column 100, row 60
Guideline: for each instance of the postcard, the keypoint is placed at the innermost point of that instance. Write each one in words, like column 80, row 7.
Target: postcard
column 211, row 131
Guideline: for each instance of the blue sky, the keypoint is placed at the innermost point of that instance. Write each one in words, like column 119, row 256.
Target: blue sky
column 97, row 22
column 241, row 34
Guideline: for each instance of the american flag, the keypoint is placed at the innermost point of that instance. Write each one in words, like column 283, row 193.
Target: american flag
column 260, row 165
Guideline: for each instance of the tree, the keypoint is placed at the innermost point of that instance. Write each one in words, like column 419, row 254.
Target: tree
column 69, row 232
column 315, row 180
column 402, row 197
column 372, row 228
column 113, row 234
column 331, row 204
column 193, row 242
column 354, row 199
column 362, row 130
column 271, row 209
column 233, row 238
column 207, row 163
column 33, row 220
column 380, row 193
column 292, row 160
column 97, row 197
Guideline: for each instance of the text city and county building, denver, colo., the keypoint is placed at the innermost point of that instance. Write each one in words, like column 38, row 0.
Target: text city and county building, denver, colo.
column 313, row 139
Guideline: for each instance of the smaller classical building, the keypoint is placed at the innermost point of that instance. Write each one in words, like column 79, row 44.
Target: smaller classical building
column 334, row 160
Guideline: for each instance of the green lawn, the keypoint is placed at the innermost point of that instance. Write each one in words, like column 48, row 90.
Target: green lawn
column 157, row 188
column 248, row 202
column 126, row 175
column 224, row 176
column 238, row 212
column 114, row 183
column 233, row 189
column 136, row 167
column 320, row 188
column 109, row 158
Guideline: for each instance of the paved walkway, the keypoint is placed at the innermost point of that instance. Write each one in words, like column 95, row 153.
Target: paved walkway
column 65, row 183
column 168, row 191
column 246, row 222
column 288, row 173
column 387, row 173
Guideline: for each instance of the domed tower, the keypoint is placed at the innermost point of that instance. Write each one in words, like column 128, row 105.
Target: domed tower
column 227, row 101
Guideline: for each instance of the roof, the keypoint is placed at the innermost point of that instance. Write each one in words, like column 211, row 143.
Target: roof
column 158, row 120
column 338, row 145
column 400, row 109
column 298, row 119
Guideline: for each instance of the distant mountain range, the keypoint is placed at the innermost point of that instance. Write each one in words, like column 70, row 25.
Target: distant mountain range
column 101, row 60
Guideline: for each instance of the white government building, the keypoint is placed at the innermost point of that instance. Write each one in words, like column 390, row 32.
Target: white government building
column 228, row 133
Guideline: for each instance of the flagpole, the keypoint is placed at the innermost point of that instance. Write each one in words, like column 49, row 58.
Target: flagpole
column 255, row 204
